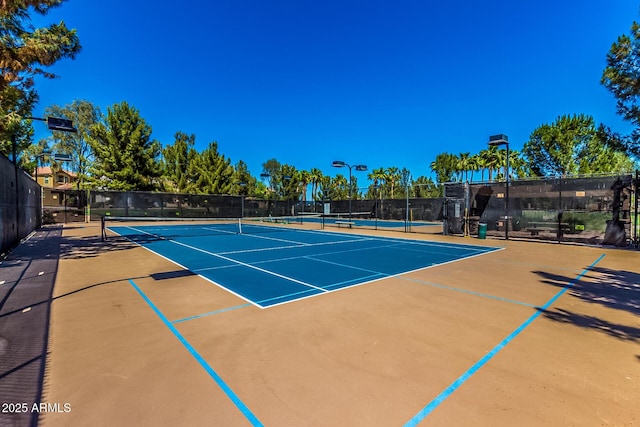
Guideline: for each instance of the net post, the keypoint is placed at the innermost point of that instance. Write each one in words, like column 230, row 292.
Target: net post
column 239, row 225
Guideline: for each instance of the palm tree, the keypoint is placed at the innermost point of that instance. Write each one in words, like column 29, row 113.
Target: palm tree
column 481, row 162
column 444, row 166
column 517, row 164
column 474, row 165
column 491, row 159
column 392, row 176
column 340, row 187
column 378, row 176
column 463, row 165
column 315, row 177
column 305, row 178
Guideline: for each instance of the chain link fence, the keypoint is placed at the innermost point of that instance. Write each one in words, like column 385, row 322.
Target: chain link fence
column 591, row 210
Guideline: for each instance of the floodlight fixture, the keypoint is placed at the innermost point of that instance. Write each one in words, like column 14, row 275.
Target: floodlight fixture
column 59, row 157
column 500, row 139
column 495, row 141
column 360, row 168
column 60, row 124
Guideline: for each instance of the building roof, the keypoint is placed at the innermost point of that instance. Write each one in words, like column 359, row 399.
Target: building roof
column 46, row 170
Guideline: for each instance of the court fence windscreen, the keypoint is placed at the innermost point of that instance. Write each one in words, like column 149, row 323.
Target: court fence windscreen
column 592, row 210
column 20, row 205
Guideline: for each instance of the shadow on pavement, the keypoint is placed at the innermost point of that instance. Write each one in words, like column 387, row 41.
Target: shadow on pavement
column 614, row 289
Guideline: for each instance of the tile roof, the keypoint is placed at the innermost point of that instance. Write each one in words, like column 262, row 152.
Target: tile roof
column 46, row 170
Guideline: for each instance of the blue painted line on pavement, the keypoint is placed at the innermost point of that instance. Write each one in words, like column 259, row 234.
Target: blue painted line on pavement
column 466, row 291
column 211, row 313
column 479, row 364
column 225, row 388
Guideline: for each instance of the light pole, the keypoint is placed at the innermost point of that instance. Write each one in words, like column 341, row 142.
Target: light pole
column 285, row 192
column 53, row 123
column 376, row 188
column 37, row 156
column 406, row 176
column 360, row 168
column 496, row 141
column 267, row 176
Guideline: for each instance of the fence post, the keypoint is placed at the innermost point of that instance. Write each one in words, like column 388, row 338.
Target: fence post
column 635, row 216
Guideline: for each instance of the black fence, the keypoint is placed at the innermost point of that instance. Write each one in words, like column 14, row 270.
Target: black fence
column 20, row 205
column 593, row 210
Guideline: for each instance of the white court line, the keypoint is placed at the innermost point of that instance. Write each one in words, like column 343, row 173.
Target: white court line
column 217, row 230
column 324, row 253
column 246, row 251
column 311, row 257
column 220, row 285
column 291, row 279
column 468, row 250
column 390, row 276
column 462, row 246
column 395, row 241
column 276, row 239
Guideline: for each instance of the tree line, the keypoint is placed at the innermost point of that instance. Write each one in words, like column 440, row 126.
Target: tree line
column 571, row 145
column 116, row 151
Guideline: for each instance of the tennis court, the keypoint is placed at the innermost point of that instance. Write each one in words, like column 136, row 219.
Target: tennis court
column 268, row 265
column 283, row 324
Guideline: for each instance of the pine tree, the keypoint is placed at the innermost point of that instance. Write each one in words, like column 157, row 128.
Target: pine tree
column 126, row 158
column 214, row 172
column 178, row 164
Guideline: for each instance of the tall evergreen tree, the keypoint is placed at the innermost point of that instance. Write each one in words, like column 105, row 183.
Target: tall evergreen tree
column 286, row 182
column 621, row 77
column 126, row 158
column 425, row 187
column 178, row 164
column 25, row 52
column 269, row 173
column 571, row 145
column 214, row 172
column 244, row 183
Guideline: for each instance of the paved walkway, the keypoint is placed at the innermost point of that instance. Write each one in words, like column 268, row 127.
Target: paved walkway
column 27, row 277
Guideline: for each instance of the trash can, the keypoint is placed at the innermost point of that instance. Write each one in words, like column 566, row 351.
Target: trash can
column 482, row 230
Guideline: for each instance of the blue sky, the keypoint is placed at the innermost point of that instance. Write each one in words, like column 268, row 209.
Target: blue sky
column 374, row 82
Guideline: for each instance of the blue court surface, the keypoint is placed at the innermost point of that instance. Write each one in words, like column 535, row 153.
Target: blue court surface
column 267, row 266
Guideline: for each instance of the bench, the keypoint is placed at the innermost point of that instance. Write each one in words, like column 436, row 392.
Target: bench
column 341, row 222
column 548, row 226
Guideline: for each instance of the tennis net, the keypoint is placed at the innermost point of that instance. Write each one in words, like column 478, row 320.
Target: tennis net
column 170, row 228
